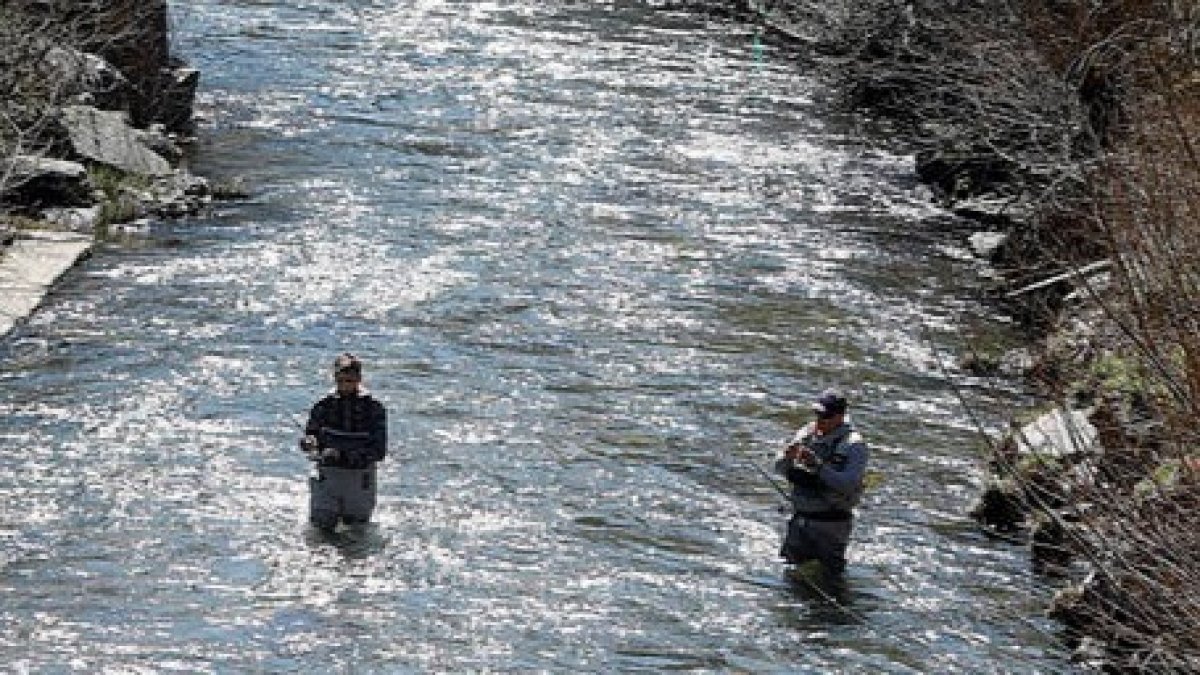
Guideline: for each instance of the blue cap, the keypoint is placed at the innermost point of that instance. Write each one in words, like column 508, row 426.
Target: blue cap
column 829, row 404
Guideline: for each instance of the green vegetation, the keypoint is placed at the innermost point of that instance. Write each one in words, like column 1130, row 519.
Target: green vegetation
column 118, row 206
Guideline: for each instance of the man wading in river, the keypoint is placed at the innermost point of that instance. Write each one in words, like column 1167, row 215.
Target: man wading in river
column 826, row 463
column 346, row 435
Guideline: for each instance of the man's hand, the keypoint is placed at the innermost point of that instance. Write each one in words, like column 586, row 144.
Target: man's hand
column 310, row 444
column 331, row 455
column 808, row 459
column 804, row 457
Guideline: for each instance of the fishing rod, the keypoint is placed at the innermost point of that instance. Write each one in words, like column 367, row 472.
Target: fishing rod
column 763, row 472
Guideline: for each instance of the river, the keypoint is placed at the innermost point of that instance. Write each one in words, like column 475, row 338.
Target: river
column 596, row 257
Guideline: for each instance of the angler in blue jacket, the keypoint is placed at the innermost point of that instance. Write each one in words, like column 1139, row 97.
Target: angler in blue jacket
column 826, row 463
column 346, row 436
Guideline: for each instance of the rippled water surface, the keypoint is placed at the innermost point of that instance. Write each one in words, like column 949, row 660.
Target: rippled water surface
column 595, row 258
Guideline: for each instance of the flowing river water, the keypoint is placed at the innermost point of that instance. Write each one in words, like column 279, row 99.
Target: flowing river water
column 596, row 257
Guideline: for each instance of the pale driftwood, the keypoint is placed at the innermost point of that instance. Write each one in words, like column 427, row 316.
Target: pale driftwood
column 1077, row 273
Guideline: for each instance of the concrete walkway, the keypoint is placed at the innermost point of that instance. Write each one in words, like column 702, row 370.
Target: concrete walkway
column 30, row 266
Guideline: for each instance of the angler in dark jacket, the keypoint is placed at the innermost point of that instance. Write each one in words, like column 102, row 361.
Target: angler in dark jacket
column 346, row 436
column 826, row 463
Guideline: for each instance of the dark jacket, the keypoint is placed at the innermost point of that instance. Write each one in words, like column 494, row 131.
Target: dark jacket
column 355, row 425
column 838, row 485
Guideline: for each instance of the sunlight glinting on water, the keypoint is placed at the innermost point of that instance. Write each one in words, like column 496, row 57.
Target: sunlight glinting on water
column 597, row 257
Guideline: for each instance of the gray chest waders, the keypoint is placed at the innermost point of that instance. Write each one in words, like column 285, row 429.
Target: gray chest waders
column 335, row 493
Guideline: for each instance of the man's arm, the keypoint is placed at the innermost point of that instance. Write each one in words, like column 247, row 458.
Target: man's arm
column 786, row 465
column 311, row 443
column 850, row 476
column 377, row 433
column 316, row 419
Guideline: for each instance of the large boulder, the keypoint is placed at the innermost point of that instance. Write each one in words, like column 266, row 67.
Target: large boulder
column 133, row 36
column 38, row 182
column 89, row 79
column 1059, row 434
column 177, row 103
column 1037, row 468
column 105, row 137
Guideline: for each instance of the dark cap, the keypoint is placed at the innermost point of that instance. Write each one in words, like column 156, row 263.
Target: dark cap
column 347, row 364
column 829, row 404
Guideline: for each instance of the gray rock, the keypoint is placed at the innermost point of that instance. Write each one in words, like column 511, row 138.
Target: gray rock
column 82, row 219
column 179, row 194
column 90, row 79
column 107, row 138
column 30, row 266
column 132, row 36
column 41, row 181
column 1059, row 433
column 985, row 244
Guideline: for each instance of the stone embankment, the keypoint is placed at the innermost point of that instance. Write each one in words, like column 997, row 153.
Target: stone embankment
column 105, row 115
column 30, row 266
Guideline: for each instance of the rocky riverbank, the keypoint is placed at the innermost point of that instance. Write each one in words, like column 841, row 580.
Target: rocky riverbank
column 99, row 117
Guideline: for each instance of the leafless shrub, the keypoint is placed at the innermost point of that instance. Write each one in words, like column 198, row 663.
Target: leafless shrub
column 1091, row 111
column 1130, row 509
column 44, row 63
column 28, row 94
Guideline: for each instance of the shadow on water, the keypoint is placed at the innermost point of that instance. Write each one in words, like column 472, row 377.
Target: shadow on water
column 354, row 542
column 813, row 601
column 828, row 601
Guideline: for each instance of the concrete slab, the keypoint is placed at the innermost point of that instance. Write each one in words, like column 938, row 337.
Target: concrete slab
column 1059, row 433
column 30, row 266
